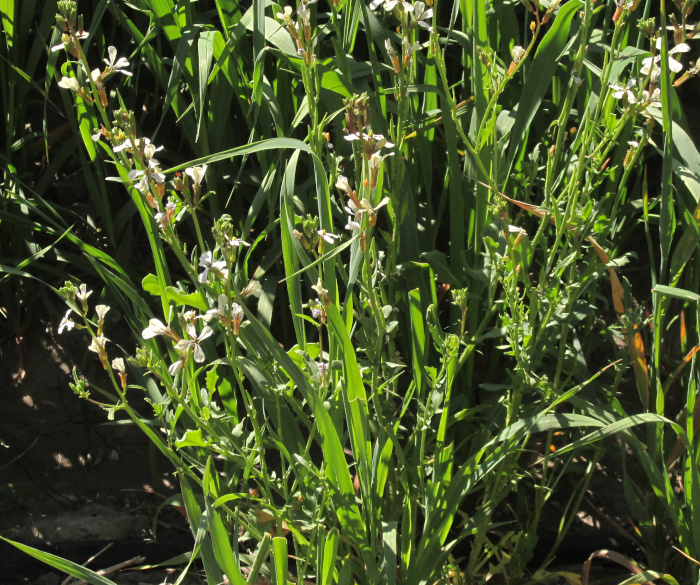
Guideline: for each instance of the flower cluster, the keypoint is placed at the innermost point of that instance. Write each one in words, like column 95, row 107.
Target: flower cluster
column 301, row 30
column 313, row 238
column 77, row 297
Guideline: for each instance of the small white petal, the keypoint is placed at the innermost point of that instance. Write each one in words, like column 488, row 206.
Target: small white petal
column 175, row 367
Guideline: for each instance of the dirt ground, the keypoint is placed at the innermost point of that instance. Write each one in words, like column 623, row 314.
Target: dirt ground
column 71, row 484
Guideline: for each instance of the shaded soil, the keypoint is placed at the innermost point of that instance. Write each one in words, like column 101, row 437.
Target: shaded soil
column 70, row 482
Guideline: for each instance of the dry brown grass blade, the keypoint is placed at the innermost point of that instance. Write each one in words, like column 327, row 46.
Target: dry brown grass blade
column 613, row 556
column 687, row 556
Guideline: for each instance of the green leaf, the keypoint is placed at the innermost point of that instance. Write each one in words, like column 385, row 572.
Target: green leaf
column 676, row 293
column 191, row 438
column 151, row 285
column 279, row 552
column 165, row 14
column 540, row 75
column 68, row 567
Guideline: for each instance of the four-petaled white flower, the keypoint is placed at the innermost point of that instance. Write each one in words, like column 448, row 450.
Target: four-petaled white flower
column 625, row 92
column 649, row 65
column 151, row 172
column 234, row 242
column 117, row 65
column 155, row 327
column 421, row 16
column 138, row 144
column 218, row 268
column 327, row 237
column 66, row 323
column 185, row 345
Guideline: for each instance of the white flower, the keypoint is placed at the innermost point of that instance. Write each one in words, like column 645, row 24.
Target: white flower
column 517, row 53
column 185, row 345
column 372, row 211
column 389, row 5
column 155, row 327
column 149, row 150
column 101, row 311
column 117, row 65
column 253, row 288
column 421, row 16
column 653, row 100
column 355, row 136
column 196, row 173
column 175, row 367
column 236, row 243
column 218, row 268
column 83, row 293
column 66, row 323
column 98, row 344
column 69, row 83
column 237, row 315
column 139, row 143
column 352, row 224
column 381, row 142
column 118, row 364
column 124, row 145
column 219, row 312
column 327, row 237
column 621, row 92
column 375, row 161
column 649, row 65
column 151, row 172
column 65, row 40
column 342, row 183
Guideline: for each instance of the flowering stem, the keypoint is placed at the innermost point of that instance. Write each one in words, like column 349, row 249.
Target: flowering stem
column 200, row 239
